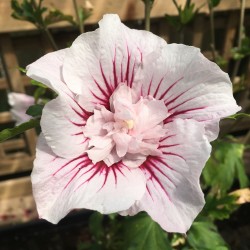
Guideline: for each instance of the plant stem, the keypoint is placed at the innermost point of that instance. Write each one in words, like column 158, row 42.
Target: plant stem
column 246, row 138
column 148, row 7
column 50, row 38
column 212, row 31
column 79, row 20
column 240, row 36
column 181, row 34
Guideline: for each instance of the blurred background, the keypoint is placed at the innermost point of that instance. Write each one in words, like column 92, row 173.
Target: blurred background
column 30, row 29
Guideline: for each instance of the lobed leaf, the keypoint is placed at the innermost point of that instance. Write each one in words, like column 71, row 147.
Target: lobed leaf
column 224, row 166
column 142, row 233
column 204, row 235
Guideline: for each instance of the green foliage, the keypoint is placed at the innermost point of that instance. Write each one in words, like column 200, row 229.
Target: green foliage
column 238, row 115
column 224, row 166
column 203, row 235
column 243, row 51
column 55, row 16
column 11, row 132
column 221, row 61
column 40, row 16
column 35, row 110
column 83, row 14
column 185, row 14
column 219, row 208
column 214, row 3
column 29, row 10
column 96, row 227
column 22, row 70
column 142, row 233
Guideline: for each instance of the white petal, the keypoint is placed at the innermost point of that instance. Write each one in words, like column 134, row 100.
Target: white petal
column 60, row 185
column 99, row 61
column 62, row 125
column 190, row 85
column 174, row 197
column 48, row 70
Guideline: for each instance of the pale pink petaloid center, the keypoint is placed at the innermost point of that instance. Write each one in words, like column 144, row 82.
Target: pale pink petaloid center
column 129, row 132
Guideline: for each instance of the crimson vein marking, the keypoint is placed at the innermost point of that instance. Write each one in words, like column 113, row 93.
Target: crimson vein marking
column 101, row 167
column 178, row 105
column 166, row 137
column 168, row 146
column 158, row 87
column 122, row 80
column 150, row 85
column 177, row 97
column 128, row 65
column 77, row 124
column 169, row 88
column 132, row 76
column 159, row 170
column 106, row 174
column 78, row 133
column 114, row 70
column 78, row 113
column 164, row 163
column 154, row 177
column 174, row 154
column 149, row 192
column 85, row 160
column 115, row 175
column 72, row 178
column 141, row 56
column 100, row 88
column 104, row 102
column 66, row 164
column 88, row 114
column 181, row 112
column 105, row 81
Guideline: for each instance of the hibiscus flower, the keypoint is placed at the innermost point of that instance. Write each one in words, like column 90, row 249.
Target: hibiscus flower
column 130, row 128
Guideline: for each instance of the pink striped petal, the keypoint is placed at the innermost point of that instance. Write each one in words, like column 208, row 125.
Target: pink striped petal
column 174, row 197
column 191, row 86
column 62, row 124
column 107, row 57
column 60, row 185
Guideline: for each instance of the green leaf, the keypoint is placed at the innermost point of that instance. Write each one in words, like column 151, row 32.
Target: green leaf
column 215, row 3
column 35, row 110
column 38, row 93
column 241, row 174
column 39, row 84
column 8, row 133
column 96, row 226
column 22, row 70
column 174, row 21
column 235, row 116
column 222, row 62
column 142, row 233
column 28, row 10
column 83, row 14
column 219, row 208
column 55, row 16
column 224, row 166
column 203, row 235
column 186, row 14
column 243, row 51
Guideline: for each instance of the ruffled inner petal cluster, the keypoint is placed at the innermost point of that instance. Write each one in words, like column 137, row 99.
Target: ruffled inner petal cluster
column 129, row 132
